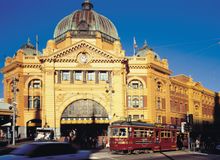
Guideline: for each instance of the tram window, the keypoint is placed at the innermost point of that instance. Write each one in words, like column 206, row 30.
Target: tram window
column 162, row 134
column 114, row 131
column 165, row 133
column 122, row 132
column 137, row 133
column 142, row 134
column 173, row 134
column 157, row 133
column 168, row 134
column 149, row 133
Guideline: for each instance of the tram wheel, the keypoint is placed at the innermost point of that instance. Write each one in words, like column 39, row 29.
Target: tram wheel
column 130, row 152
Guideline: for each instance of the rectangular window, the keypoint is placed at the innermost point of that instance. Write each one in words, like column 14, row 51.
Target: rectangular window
column 30, row 101
column 129, row 117
column 158, row 119
column 163, row 119
column 91, row 76
column 65, row 75
column 78, row 75
column 135, row 117
column 103, row 76
column 135, row 101
column 163, row 103
column 37, row 102
column 158, row 102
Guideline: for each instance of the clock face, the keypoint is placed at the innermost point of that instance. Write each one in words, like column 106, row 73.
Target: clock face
column 83, row 58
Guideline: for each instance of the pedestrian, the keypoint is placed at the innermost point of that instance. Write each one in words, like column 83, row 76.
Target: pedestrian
column 197, row 145
column 51, row 136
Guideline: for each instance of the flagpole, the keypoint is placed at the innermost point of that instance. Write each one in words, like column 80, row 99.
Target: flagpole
column 36, row 44
column 134, row 46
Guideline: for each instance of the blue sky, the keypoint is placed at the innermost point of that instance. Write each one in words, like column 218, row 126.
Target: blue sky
column 186, row 32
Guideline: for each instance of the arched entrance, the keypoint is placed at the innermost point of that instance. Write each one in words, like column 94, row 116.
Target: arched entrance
column 32, row 126
column 89, row 120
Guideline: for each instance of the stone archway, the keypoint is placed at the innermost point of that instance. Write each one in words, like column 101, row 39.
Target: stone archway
column 88, row 119
column 32, row 126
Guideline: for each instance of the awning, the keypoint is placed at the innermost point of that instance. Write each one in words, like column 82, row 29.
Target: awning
column 6, row 124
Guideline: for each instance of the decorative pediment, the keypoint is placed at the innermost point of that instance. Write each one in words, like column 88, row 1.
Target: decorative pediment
column 83, row 52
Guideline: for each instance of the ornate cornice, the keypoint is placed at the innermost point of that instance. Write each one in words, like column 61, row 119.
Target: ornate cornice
column 11, row 66
column 138, row 67
column 31, row 66
column 151, row 66
column 159, row 68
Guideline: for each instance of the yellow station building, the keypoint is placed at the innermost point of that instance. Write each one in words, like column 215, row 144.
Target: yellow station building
column 83, row 79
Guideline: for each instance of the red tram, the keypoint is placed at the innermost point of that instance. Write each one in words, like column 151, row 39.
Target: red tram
column 131, row 136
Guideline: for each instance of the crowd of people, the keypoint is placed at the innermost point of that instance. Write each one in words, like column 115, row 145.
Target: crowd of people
column 198, row 144
column 85, row 141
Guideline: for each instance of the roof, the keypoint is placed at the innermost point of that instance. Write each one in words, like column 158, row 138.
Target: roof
column 142, row 52
column 4, row 106
column 29, row 49
column 136, row 123
column 85, row 20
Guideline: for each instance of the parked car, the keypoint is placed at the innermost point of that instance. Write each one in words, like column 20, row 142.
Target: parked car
column 217, row 148
column 47, row 150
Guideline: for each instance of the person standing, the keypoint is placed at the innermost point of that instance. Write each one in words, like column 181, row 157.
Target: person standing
column 197, row 145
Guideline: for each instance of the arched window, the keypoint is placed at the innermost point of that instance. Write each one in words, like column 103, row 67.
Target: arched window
column 135, row 84
column 35, row 83
column 34, row 94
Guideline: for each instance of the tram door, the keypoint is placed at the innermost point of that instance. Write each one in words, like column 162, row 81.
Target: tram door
column 166, row 139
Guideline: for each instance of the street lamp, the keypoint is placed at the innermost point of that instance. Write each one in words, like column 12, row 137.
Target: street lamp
column 13, row 107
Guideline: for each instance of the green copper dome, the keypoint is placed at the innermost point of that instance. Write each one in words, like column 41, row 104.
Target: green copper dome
column 29, row 49
column 142, row 52
column 86, row 22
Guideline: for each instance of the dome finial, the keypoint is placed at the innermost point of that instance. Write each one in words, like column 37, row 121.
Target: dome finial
column 87, row 5
column 145, row 43
column 28, row 40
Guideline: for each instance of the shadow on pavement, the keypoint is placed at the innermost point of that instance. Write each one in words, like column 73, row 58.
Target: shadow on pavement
column 167, row 156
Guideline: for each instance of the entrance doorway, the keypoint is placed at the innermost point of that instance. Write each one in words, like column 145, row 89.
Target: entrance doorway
column 87, row 135
column 32, row 126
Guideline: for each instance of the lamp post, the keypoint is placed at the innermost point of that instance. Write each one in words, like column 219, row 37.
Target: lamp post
column 13, row 106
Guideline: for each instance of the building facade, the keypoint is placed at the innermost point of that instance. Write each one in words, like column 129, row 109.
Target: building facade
column 83, row 79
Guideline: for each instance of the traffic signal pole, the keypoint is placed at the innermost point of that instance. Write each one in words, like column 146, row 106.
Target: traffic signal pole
column 189, row 141
column 189, row 123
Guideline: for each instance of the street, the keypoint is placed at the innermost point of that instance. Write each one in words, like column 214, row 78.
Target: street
column 171, row 155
